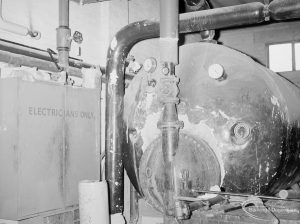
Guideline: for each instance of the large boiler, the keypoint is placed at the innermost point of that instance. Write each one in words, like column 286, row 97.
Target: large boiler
column 241, row 126
column 210, row 126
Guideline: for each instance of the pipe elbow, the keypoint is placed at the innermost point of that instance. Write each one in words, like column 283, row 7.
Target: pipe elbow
column 122, row 43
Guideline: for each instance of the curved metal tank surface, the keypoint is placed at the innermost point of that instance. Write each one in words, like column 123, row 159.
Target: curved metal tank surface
column 241, row 131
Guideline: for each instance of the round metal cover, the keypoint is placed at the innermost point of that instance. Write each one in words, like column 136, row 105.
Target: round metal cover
column 196, row 168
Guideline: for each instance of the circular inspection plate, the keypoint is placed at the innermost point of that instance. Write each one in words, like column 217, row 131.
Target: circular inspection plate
column 196, row 168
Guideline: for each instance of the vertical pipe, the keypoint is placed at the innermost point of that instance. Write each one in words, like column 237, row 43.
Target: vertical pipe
column 169, row 124
column 134, row 205
column 64, row 13
column 169, row 16
column 63, row 35
column 126, row 38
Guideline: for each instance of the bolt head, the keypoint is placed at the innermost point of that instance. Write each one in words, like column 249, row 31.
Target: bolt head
column 216, row 71
column 165, row 70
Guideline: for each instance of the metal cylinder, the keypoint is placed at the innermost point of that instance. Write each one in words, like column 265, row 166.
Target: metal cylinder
column 63, row 35
column 93, row 202
column 121, row 44
column 64, row 13
column 169, row 10
column 245, row 14
column 283, row 10
column 169, row 18
column 169, row 13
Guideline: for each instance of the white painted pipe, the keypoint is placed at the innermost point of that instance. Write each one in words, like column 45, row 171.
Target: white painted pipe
column 15, row 28
column 93, row 202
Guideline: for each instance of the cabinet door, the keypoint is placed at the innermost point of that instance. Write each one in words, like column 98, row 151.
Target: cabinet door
column 82, row 132
column 41, row 146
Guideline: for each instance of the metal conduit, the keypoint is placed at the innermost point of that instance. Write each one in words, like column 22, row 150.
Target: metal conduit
column 128, row 36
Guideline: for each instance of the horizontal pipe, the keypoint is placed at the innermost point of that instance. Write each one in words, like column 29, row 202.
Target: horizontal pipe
column 22, row 55
column 23, row 60
column 37, row 53
column 284, row 10
column 122, row 43
column 225, row 17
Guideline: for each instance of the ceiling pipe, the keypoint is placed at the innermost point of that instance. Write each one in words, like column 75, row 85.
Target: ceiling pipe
column 128, row 36
column 15, row 28
column 197, row 5
column 283, row 10
column 63, row 35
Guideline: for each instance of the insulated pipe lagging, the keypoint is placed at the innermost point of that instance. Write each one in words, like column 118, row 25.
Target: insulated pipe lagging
column 283, row 10
column 122, row 43
column 245, row 14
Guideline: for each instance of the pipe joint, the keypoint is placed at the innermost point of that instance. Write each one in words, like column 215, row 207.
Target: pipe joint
column 266, row 12
column 63, row 38
column 171, row 124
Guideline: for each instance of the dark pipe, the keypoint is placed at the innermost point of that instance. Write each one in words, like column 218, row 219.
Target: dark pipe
column 245, row 14
column 134, row 205
column 283, row 10
column 122, row 43
column 197, row 5
column 125, row 39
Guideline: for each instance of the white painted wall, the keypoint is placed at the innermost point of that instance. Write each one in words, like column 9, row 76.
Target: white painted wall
column 92, row 20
